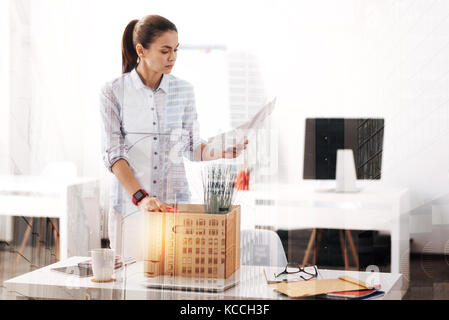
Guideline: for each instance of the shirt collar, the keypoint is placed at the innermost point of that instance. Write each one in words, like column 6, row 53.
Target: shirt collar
column 138, row 83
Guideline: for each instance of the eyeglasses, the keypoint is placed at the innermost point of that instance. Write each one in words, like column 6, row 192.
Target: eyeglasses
column 293, row 267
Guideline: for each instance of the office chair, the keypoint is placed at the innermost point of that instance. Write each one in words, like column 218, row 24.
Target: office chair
column 261, row 247
column 60, row 170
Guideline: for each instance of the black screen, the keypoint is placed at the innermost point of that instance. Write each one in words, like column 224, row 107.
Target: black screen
column 323, row 137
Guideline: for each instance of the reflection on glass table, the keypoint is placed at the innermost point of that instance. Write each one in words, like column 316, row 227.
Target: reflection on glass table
column 130, row 283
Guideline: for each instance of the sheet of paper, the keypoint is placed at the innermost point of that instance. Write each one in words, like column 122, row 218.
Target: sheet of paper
column 239, row 134
column 260, row 116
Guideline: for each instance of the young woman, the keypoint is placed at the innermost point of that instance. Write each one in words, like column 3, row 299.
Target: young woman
column 150, row 124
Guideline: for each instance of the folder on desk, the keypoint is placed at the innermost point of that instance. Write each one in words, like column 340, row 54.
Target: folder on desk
column 299, row 289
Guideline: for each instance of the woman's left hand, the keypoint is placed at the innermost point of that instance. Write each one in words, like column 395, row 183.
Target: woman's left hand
column 235, row 151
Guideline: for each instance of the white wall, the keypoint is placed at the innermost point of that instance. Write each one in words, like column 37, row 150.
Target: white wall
column 4, row 89
column 375, row 58
column 5, row 222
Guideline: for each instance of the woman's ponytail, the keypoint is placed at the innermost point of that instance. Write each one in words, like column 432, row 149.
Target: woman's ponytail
column 149, row 28
column 129, row 54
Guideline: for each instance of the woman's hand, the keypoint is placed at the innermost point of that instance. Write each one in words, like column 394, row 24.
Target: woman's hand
column 151, row 204
column 235, row 151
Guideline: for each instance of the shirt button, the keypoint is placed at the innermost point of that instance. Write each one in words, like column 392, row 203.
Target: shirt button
column 155, row 138
column 155, row 153
column 154, row 123
column 152, row 108
column 155, row 168
column 154, row 181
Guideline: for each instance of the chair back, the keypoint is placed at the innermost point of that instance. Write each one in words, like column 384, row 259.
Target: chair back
column 261, row 247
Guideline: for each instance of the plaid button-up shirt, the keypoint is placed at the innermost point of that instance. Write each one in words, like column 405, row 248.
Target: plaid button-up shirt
column 152, row 130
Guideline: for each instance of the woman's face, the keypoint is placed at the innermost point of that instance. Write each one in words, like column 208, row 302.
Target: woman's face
column 160, row 57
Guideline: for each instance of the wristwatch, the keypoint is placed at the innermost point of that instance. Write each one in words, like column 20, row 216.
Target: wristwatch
column 139, row 195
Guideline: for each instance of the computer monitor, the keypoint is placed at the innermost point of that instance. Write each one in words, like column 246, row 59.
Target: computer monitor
column 324, row 136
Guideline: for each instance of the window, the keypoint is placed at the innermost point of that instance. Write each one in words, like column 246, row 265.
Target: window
column 213, row 222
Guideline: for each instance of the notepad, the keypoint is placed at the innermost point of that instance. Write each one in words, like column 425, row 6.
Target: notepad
column 299, row 289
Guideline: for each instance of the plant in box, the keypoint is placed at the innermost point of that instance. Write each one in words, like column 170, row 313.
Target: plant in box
column 218, row 188
column 197, row 240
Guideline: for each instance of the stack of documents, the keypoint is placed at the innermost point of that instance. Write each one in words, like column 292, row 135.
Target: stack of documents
column 344, row 287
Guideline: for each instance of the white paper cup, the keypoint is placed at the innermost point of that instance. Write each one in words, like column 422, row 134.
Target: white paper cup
column 102, row 264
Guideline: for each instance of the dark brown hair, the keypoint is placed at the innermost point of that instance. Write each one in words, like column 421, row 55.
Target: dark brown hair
column 143, row 31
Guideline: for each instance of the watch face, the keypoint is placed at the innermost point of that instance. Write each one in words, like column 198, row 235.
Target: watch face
column 139, row 195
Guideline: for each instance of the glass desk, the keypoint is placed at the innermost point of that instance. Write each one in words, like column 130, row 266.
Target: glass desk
column 130, row 284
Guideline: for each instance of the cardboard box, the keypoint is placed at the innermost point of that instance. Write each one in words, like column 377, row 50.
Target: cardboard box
column 192, row 243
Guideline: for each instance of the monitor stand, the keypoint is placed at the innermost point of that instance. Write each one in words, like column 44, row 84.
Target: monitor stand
column 345, row 173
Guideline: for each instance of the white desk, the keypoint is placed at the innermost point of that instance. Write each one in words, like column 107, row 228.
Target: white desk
column 376, row 207
column 46, row 284
column 39, row 196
